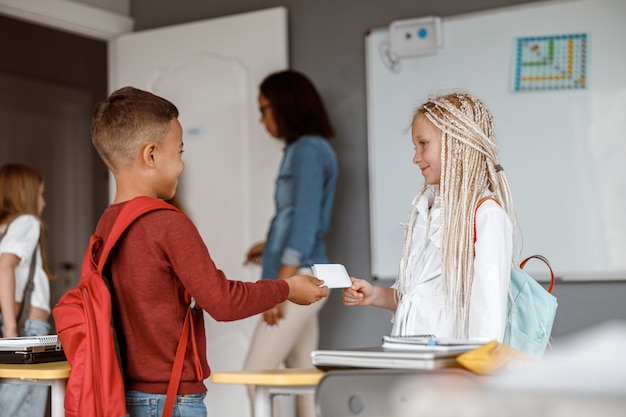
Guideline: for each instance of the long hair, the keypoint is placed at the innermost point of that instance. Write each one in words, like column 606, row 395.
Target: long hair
column 297, row 107
column 469, row 167
column 19, row 194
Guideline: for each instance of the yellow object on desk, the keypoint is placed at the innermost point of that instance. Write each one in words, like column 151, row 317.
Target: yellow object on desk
column 270, row 382
column 492, row 357
column 54, row 374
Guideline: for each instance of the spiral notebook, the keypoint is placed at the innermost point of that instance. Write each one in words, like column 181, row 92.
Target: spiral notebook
column 31, row 349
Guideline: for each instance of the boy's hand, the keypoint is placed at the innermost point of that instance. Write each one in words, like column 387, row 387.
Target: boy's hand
column 305, row 289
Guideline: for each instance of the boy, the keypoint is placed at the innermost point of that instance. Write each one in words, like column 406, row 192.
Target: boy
column 139, row 137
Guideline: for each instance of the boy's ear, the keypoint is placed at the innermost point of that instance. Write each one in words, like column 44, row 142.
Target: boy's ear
column 148, row 154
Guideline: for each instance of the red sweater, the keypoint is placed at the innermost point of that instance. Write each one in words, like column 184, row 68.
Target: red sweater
column 157, row 258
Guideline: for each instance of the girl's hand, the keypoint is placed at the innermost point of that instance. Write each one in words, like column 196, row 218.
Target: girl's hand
column 10, row 332
column 273, row 315
column 359, row 294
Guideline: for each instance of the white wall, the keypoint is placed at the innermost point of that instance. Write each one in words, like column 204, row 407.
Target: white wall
column 75, row 17
column 115, row 6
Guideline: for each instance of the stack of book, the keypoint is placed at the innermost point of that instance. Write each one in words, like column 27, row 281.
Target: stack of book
column 397, row 352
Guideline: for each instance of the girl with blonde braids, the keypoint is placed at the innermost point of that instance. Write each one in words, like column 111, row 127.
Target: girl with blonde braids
column 454, row 272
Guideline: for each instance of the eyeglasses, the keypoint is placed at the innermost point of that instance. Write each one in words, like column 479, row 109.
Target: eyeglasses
column 264, row 107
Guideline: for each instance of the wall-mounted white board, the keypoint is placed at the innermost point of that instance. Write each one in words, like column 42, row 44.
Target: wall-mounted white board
column 564, row 151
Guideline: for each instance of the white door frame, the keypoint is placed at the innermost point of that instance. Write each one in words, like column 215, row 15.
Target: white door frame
column 69, row 16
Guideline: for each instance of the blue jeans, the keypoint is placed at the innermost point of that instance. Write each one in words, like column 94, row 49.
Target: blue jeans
column 32, row 327
column 21, row 400
column 143, row 404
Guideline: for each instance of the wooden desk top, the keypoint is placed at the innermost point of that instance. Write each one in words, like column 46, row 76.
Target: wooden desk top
column 47, row 370
column 271, row 377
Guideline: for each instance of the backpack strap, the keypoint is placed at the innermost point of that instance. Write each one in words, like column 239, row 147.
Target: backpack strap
column 24, row 311
column 545, row 261
column 177, row 368
column 523, row 263
column 132, row 210
column 482, row 200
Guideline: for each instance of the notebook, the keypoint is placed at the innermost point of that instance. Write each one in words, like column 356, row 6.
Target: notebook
column 378, row 357
column 430, row 342
column 35, row 349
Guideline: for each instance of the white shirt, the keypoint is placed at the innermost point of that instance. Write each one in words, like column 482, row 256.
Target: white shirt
column 21, row 239
column 421, row 308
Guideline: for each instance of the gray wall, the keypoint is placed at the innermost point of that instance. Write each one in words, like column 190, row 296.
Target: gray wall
column 327, row 43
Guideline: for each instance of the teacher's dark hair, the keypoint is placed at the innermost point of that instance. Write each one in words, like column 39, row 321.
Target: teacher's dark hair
column 296, row 106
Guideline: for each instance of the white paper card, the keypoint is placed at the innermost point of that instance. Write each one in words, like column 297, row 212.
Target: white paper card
column 333, row 275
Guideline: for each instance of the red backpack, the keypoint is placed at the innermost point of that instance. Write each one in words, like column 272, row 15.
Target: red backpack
column 84, row 322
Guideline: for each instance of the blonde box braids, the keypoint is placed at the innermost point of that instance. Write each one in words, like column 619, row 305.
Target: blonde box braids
column 469, row 167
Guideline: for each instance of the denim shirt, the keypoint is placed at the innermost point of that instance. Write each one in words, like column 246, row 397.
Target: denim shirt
column 304, row 194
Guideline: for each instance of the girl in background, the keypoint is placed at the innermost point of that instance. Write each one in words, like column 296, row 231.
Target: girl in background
column 292, row 111
column 21, row 228
column 456, row 261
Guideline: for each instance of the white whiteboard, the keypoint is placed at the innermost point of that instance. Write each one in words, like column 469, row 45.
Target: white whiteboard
column 564, row 151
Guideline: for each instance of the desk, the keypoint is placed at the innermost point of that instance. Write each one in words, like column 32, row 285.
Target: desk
column 270, row 382
column 54, row 374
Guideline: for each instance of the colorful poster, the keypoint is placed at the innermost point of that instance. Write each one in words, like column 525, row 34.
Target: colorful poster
column 551, row 63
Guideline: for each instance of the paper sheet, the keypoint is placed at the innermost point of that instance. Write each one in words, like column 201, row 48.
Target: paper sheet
column 333, row 275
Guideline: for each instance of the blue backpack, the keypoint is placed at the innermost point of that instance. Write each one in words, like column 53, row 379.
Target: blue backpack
column 531, row 310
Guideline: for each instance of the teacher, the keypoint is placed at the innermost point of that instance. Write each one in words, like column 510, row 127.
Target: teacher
column 292, row 111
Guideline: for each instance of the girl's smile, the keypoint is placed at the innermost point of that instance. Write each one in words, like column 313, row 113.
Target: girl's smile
column 427, row 143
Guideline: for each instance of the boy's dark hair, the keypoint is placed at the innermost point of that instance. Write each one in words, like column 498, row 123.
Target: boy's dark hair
column 125, row 120
column 296, row 106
